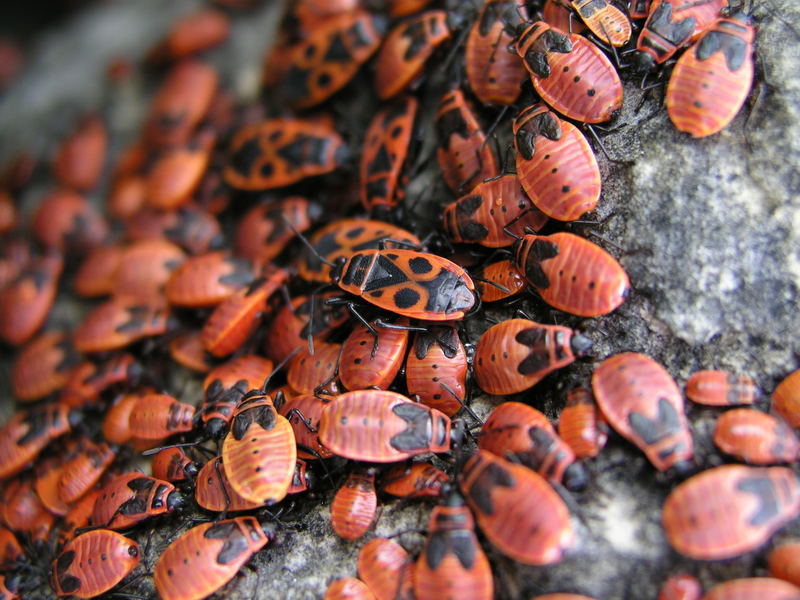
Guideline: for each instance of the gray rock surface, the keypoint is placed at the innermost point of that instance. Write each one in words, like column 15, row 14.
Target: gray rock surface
column 707, row 229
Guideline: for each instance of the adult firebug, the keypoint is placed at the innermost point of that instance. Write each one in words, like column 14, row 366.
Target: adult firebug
column 452, row 563
column 515, row 355
column 207, row 556
column 570, row 73
column 93, row 563
column 572, row 274
column 642, row 402
column 710, row 515
column 555, row 164
column 354, row 505
column 517, row 510
column 381, row 426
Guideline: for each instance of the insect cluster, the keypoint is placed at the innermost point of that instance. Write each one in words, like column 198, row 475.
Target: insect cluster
column 336, row 365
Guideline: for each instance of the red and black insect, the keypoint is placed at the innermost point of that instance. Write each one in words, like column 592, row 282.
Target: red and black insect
column 387, row 569
column 26, row 301
column 752, row 587
column 452, row 563
column 386, row 146
column 642, row 402
column 226, row 385
column 521, row 433
column 279, row 152
column 157, row 416
column 172, row 464
column 144, row 267
column 192, row 33
column 672, row 25
column 515, row 355
column 93, row 563
column 786, row 398
column 498, row 281
column 406, row 49
column 495, row 74
column 607, row 22
column 436, row 369
column 464, row 155
column 710, row 515
column 711, row 81
column 80, row 157
column 381, row 426
column 28, row 432
column 417, row 480
column 133, row 497
column 67, row 222
column 77, row 517
column 368, row 362
column 570, row 73
column 213, row 491
column 187, row 350
column 555, row 164
column 681, row 586
column 581, row 424
column 47, row 475
column 43, row 366
column 517, row 510
column 89, row 379
column 344, row 237
column 784, row 562
column 483, row 215
column 572, row 274
column 354, row 505
column 292, row 324
column 639, row 9
column 207, row 279
column 721, row 388
column 329, row 57
column 191, row 227
column 119, row 322
column 755, row 437
column 180, row 103
column 83, row 470
column 206, row 557
column 409, row 283
column 304, row 414
column 24, row 513
column 262, row 233
column 315, row 373
column 259, row 451
column 235, row 318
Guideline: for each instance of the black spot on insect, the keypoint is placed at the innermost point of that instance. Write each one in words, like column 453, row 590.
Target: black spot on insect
column 406, row 297
column 420, row 265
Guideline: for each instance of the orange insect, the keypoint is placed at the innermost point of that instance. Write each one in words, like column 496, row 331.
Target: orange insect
column 753, row 587
column 680, row 587
column 181, row 103
column 329, row 58
column 262, row 234
column 555, row 164
column 120, row 322
column 607, row 22
column 502, row 273
column 144, row 267
column 156, row 416
column 116, row 423
column 80, row 472
column 348, row 588
column 495, row 74
column 206, row 557
column 385, row 153
column 43, row 366
column 133, row 497
column 47, row 474
column 77, row 517
column 88, row 380
column 784, row 562
column 26, row 301
column 191, row 227
column 570, row 73
column 354, row 505
column 233, row 320
column 517, row 510
column 786, row 398
column 464, row 156
column 24, row 513
column 515, row 355
column 386, row 568
column 581, row 424
column 521, row 433
column 373, row 362
column 642, row 402
column 711, row 81
column 417, row 480
column 452, row 563
column 93, row 563
column 259, row 451
column 720, row 388
column 191, row 34
column 95, row 276
column 406, row 49
column 380, row 426
column 710, row 515
column 755, row 437
column 304, row 414
column 80, row 157
column 188, row 351
column 572, row 274
column 65, row 221
column 436, row 369
column 172, row 464
column 207, row 279
column 279, row 152
column 213, row 491
column 315, row 373
column 482, row 216
column 28, row 432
